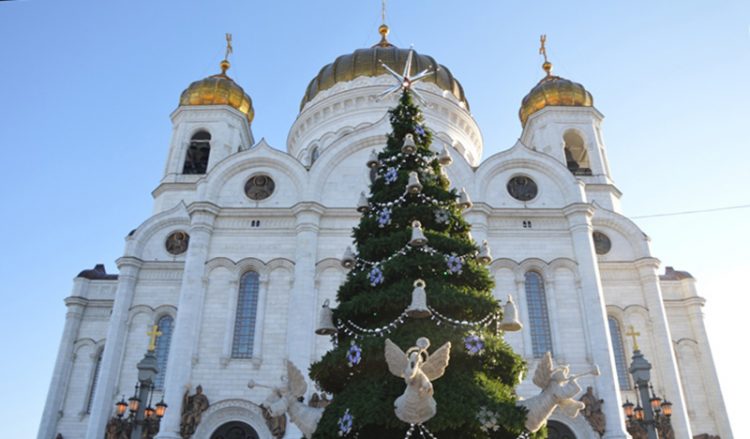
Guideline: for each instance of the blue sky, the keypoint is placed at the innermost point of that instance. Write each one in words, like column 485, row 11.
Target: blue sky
column 86, row 89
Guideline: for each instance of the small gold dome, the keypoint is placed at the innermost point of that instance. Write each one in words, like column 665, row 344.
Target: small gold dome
column 219, row 89
column 553, row 91
column 367, row 62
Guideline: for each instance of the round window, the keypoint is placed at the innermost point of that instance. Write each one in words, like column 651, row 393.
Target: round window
column 259, row 187
column 177, row 243
column 602, row 244
column 522, row 188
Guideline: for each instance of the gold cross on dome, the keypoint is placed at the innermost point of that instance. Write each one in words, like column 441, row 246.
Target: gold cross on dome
column 542, row 48
column 635, row 336
column 229, row 47
column 153, row 335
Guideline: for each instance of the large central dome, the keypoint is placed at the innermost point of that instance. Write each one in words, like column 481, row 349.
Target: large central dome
column 367, row 62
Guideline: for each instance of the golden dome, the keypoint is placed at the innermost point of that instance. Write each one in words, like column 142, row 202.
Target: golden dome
column 553, row 91
column 367, row 62
column 219, row 89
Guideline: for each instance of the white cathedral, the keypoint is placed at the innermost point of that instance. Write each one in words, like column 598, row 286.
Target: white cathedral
column 245, row 244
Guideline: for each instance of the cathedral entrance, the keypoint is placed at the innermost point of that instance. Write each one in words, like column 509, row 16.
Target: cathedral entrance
column 558, row 430
column 235, row 430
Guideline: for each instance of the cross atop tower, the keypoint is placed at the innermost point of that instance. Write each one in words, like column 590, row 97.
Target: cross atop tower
column 229, row 46
column 547, row 66
column 632, row 333
column 153, row 335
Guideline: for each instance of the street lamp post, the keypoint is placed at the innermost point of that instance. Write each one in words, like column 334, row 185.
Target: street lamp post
column 650, row 417
column 143, row 419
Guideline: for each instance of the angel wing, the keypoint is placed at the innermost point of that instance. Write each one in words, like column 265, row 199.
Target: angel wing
column 296, row 381
column 436, row 363
column 396, row 358
column 543, row 371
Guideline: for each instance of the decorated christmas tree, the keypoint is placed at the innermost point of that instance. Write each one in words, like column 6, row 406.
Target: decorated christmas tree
column 417, row 282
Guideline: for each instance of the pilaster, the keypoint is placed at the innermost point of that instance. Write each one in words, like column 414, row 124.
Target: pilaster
column 595, row 315
column 662, row 339
column 114, row 347
column 63, row 364
column 187, row 323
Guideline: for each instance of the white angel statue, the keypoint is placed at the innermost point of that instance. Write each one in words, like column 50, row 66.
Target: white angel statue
column 558, row 389
column 418, row 369
column 287, row 399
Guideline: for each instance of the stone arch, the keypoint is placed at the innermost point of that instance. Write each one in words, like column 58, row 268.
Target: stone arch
column 261, row 155
column 520, row 158
column 578, row 425
column 228, row 410
column 607, row 220
column 175, row 217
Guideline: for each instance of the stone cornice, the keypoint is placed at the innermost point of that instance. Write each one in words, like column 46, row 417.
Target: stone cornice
column 203, row 207
column 128, row 261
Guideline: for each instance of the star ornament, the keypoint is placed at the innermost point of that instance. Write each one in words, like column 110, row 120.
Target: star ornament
column 404, row 81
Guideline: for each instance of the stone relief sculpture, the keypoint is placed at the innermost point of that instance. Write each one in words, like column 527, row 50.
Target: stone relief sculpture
column 558, row 389
column 192, row 410
column 593, row 411
column 418, row 369
column 276, row 424
column 289, row 399
column 118, row 428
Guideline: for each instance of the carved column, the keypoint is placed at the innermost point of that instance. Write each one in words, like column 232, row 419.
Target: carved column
column 64, row 363
column 187, row 324
column 114, row 347
column 595, row 315
column 667, row 370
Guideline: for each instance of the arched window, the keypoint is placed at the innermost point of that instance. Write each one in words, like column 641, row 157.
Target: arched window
column 618, row 347
column 94, row 380
column 196, row 160
column 314, row 155
column 244, row 322
column 575, row 154
column 536, row 300
column 165, row 324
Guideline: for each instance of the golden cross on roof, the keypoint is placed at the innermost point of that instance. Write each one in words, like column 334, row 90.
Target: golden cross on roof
column 153, row 335
column 635, row 336
column 229, row 47
column 542, row 48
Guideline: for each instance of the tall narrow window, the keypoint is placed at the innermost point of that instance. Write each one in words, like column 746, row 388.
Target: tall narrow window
column 244, row 323
column 196, row 160
column 541, row 335
column 94, row 380
column 620, row 361
column 165, row 324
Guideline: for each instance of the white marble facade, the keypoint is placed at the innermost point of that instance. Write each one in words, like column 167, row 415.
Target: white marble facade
column 294, row 240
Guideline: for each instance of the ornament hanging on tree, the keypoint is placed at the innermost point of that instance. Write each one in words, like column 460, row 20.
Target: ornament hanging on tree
column 474, row 344
column 418, row 369
column 409, row 147
column 384, row 218
column 391, row 174
column 363, row 205
column 325, row 323
column 455, row 265
column 417, row 236
column 348, row 260
column 373, row 161
column 442, row 216
column 354, row 355
column 414, row 186
column 484, row 256
column 375, row 276
column 346, row 422
column 445, row 158
column 418, row 307
column 464, row 202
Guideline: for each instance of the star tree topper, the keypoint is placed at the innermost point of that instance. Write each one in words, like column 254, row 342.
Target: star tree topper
column 405, row 81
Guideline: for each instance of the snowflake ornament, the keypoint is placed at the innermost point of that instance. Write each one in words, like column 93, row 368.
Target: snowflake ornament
column 455, row 265
column 354, row 355
column 442, row 216
column 384, row 218
column 488, row 420
column 375, row 276
column 346, row 422
column 391, row 175
column 474, row 344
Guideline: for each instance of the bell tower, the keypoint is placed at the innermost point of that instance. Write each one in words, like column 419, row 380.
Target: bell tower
column 559, row 118
column 213, row 121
